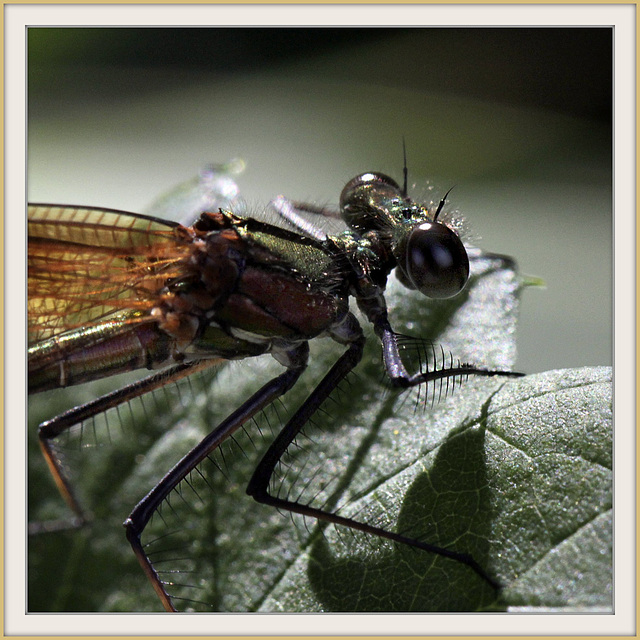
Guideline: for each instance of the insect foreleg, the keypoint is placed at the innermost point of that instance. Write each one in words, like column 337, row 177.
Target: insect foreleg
column 399, row 376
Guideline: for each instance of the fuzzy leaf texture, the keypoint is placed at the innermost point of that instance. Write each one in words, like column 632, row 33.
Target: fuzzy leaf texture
column 515, row 472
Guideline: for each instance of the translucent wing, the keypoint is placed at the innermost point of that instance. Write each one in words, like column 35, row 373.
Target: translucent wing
column 85, row 264
column 214, row 188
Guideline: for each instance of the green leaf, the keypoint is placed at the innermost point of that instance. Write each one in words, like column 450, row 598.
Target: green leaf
column 528, row 478
column 515, row 472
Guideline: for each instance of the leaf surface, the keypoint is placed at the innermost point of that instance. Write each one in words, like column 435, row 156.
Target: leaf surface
column 516, row 473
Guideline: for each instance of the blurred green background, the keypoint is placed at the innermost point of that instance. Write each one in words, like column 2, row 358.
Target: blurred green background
column 519, row 120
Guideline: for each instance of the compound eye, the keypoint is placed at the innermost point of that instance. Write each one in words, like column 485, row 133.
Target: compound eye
column 436, row 262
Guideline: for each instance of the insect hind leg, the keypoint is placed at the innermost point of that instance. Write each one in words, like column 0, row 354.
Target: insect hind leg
column 163, row 581
column 51, row 430
column 262, row 485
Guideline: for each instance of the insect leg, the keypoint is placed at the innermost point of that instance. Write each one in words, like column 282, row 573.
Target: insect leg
column 400, row 377
column 376, row 312
column 51, row 429
column 502, row 261
column 258, row 486
column 290, row 211
column 140, row 516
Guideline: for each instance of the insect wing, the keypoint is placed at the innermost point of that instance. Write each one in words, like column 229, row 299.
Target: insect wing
column 214, row 188
column 85, row 264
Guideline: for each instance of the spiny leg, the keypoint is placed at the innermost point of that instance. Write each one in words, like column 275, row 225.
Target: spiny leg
column 51, row 429
column 144, row 510
column 396, row 370
column 259, row 484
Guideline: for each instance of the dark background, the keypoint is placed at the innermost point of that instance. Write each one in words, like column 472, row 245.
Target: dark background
column 565, row 70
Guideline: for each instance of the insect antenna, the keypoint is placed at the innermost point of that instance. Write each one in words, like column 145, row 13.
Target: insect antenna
column 439, row 209
column 405, row 171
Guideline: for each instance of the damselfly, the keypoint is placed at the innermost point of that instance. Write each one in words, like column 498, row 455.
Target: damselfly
column 111, row 291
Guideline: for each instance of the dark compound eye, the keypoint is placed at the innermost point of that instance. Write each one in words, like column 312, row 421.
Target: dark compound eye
column 437, row 262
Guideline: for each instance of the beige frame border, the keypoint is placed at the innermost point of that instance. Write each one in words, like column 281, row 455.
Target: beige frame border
column 624, row 17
